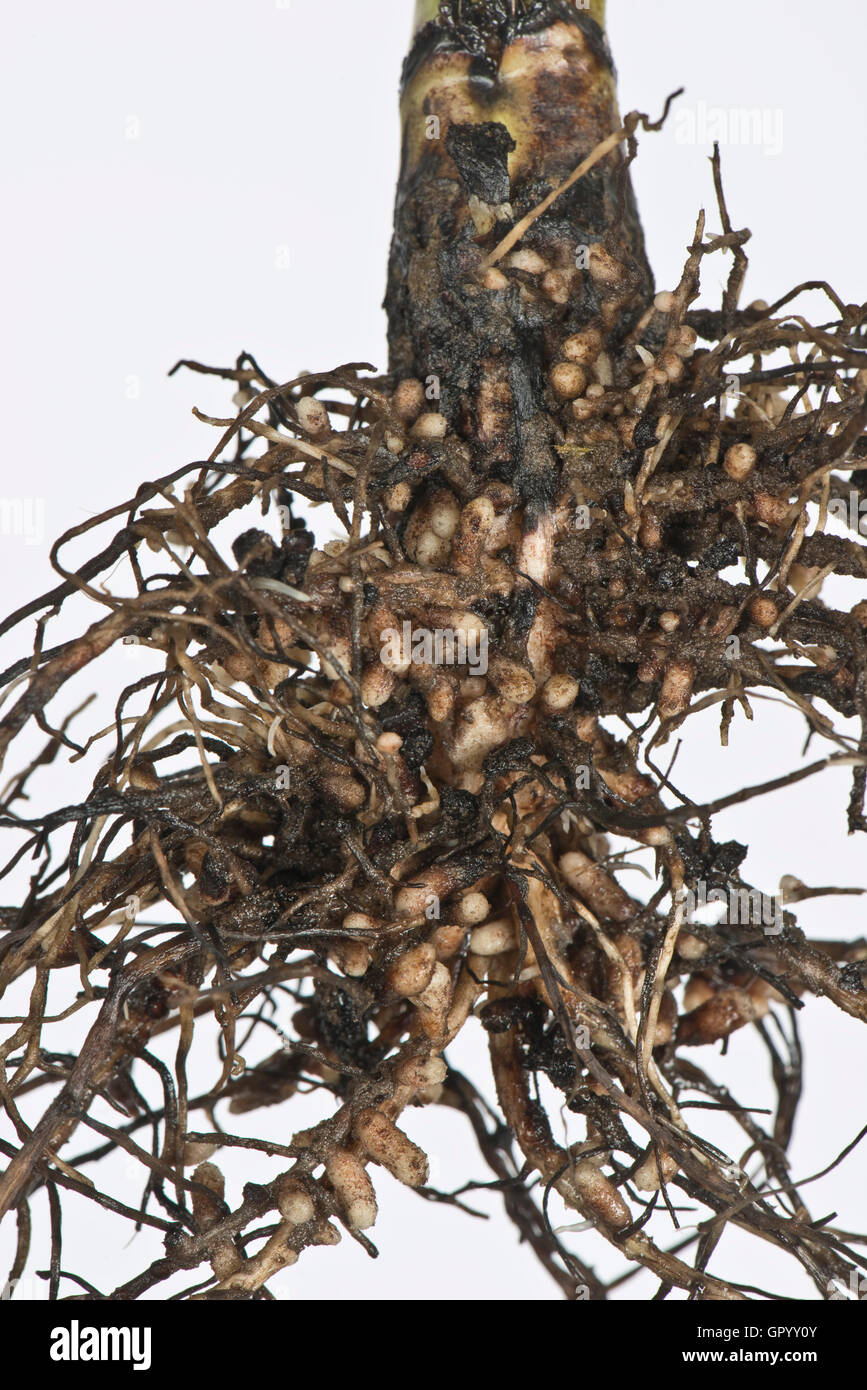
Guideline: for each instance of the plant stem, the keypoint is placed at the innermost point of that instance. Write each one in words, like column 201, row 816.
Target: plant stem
column 498, row 109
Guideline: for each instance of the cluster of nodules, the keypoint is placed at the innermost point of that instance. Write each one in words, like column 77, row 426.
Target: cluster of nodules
column 305, row 1205
column 450, row 947
column 585, row 383
column 430, row 630
column 606, row 408
column 472, row 960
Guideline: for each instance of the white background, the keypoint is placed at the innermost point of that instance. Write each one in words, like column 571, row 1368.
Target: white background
column 161, row 163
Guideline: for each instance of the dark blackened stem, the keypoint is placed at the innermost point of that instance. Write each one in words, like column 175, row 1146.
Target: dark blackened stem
column 426, row 10
column 501, row 102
